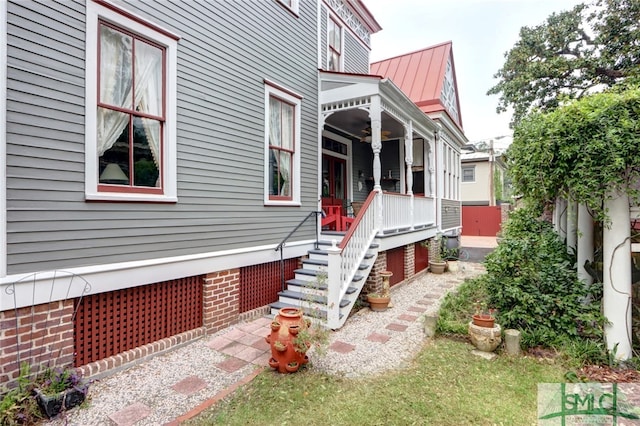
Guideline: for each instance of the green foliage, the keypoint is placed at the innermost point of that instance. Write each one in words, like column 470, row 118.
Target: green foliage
column 53, row 381
column 531, row 280
column 572, row 53
column 18, row 406
column 458, row 307
column 581, row 151
column 497, row 184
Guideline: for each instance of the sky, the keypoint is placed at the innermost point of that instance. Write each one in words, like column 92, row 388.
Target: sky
column 482, row 31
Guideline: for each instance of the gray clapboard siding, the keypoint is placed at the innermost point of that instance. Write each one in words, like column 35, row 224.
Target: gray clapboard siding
column 355, row 54
column 451, row 218
column 224, row 54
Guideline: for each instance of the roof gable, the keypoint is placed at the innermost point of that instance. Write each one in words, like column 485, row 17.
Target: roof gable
column 425, row 78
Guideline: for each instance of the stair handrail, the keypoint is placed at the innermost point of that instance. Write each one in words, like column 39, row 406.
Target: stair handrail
column 345, row 259
column 284, row 241
column 358, row 219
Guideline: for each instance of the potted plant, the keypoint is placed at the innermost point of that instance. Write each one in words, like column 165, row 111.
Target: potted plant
column 483, row 317
column 279, row 346
column 292, row 366
column 308, row 337
column 59, row 389
column 380, row 301
column 437, row 265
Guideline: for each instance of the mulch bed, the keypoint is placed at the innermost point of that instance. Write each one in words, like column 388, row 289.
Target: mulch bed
column 602, row 374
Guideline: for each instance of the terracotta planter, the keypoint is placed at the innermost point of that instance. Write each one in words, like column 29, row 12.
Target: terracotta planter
column 273, row 363
column 291, row 324
column 275, row 326
column 437, row 267
column 294, row 329
column 483, row 320
column 378, row 304
column 292, row 367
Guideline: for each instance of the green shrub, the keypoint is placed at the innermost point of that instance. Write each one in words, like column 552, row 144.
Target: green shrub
column 457, row 307
column 532, row 281
column 17, row 405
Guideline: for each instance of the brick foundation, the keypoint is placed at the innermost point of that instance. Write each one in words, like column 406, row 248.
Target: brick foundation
column 43, row 338
column 221, row 299
column 409, row 261
column 434, row 247
column 374, row 280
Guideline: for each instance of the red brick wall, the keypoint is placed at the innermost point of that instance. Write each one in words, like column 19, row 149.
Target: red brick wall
column 43, row 338
column 409, row 261
column 374, row 280
column 221, row 299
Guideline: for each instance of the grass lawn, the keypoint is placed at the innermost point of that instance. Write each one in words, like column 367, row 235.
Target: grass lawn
column 446, row 385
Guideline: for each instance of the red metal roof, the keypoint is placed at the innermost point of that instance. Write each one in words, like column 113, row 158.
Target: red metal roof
column 420, row 75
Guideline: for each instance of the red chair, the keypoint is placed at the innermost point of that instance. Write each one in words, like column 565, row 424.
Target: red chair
column 332, row 218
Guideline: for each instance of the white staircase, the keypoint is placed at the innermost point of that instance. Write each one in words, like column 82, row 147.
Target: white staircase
column 309, row 289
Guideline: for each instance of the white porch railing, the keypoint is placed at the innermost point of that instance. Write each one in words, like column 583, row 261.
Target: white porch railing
column 406, row 212
column 345, row 259
column 424, row 211
column 399, row 212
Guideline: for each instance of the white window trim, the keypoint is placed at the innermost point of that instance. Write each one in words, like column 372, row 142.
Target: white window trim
column 294, row 8
column 338, row 22
column 272, row 89
column 169, row 161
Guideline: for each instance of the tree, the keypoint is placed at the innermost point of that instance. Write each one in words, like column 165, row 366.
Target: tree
column 580, row 151
column 573, row 53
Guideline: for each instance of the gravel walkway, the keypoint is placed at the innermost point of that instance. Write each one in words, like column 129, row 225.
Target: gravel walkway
column 169, row 386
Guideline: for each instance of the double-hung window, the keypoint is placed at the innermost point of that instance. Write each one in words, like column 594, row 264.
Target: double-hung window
column 335, row 45
column 131, row 113
column 282, row 162
column 468, row 173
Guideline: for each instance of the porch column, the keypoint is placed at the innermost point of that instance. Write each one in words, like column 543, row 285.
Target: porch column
column 439, row 184
column 561, row 229
column 616, row 256
column 431, row 183
column 376, row 146
column 572, row 224
column 585, row 242
column 408, row 158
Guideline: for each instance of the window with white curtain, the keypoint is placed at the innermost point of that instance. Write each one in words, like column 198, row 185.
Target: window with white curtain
column 282, row 164
column 130, row 107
